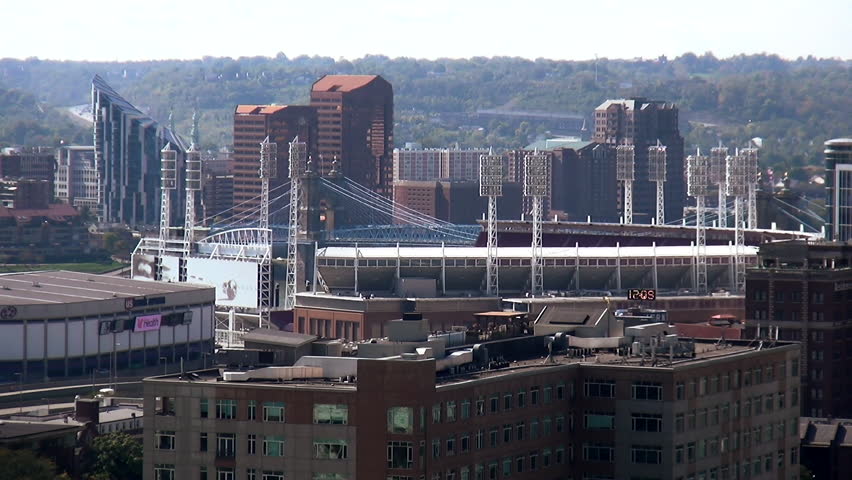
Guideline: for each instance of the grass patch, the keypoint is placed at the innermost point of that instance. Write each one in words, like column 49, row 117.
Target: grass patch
column 83, row 267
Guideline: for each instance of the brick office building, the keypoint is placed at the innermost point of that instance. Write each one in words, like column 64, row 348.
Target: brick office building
column 804, row 291
column 504, row 409
column 355, row 115
column 252, row 124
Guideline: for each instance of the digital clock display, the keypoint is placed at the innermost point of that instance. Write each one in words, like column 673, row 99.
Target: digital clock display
column 641, row 294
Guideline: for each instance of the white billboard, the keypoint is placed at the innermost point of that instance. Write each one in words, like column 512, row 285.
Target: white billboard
column 143, row 267
column 170, row 269
column 235, row 281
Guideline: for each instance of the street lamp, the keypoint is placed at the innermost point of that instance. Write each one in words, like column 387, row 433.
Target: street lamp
column 164, row 361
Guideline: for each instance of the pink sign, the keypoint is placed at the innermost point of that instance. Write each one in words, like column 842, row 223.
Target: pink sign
column 147, row 322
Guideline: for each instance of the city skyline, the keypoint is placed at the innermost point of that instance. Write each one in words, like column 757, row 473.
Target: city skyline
column 381, row 27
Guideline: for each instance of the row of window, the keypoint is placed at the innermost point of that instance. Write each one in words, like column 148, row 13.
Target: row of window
column 639, row 390
column 226, row 409
column 703, row 448
column 167, row 472
column 497, row 435
column 749, row 467
column 725, row 412
column 271, row 445
column 709, row 385
column 399, row 454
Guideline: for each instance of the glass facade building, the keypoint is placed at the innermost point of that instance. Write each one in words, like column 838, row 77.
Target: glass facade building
column 838, row 189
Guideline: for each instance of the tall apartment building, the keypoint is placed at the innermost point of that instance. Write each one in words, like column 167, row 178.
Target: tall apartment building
column 127, row 156
column 355, row 114
column 510, row 408
column 642, row 123
column 804, row 291
column 252, row 124
column 418, row 165
column 76, row 182
column 838, row 189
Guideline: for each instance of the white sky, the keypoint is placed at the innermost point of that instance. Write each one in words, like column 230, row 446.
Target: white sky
column 558, row 29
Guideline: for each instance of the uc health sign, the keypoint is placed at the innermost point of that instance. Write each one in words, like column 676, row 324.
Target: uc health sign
column 146, row 323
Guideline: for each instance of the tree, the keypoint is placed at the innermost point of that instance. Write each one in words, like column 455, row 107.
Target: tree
column 115, row 455
column 25, row 465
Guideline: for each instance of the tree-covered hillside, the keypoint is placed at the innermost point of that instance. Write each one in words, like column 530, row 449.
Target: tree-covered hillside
column 793, row 105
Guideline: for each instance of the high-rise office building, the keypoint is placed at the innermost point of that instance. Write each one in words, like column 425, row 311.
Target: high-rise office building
column 355, row 114
column 127, row 155
column 641, row 123
column 252, row 124
column 76, row 182
column 35, row 163
column 838, row 189
column 584, row 182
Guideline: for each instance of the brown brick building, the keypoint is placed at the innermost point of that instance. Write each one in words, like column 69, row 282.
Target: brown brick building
column 355, row 114
column 252, row 124
column 804, row 290
column 493, row 412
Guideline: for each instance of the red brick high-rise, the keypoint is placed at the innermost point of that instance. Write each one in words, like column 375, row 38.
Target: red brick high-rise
column 252, row 124
column 355, row 114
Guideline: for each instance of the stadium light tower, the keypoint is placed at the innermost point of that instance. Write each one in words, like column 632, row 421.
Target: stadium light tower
column 657, row 174
column 168, row 179
column 298, row 165
column 193, row 185
column 491, row 186
column 752, row 172
column 537, row 186
column 268, row 170
column 717, row 177
column 625, row 172
column 736, row 182
column 698, row 186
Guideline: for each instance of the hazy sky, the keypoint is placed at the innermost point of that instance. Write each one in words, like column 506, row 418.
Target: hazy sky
column 559, row 29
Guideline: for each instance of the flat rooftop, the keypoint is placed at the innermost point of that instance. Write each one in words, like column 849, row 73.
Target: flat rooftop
column 705, row 349
column 59, row 286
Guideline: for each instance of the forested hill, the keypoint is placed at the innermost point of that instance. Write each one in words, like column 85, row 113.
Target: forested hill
column 793, row 105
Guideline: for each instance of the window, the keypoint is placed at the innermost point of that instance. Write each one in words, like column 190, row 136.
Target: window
column 679, row 423
column 560, row 424
column 164, row 472
column 226, row 410
column 331, row 414
column 224, row 473
column 202, row 442
column 480, row 437
column 480, row 406
column 451, row 411
column 690, row 452
column 204, row 408
column 400, row 455
column 464, row 443
column 679, row 454
column 436, row 413
column 252, row 410
column 560, row 391
column 330, row 449
column 451, row 446
column 165, row 440
column 465, row 410
column 600, row 388
column 546, row 426
column 545, row 458
column 401, row 420
column 492, row 438
column 273, row 475
column 464, row 473
column 507, row 401
column 522, row 399
column 534, row 429
column 593, row 452
column 251, row 444
column 436, row 448
column 647, row 422
column 273, row 412
column 492, row 471
column 519, row 431
column 548, row 394
column 494, row 404
column 329, row 476
column 273, row 446
column 598, row 421
column 534, row 396
column 680, row 391
column 560, row 455
column 647, row 391
column 507, row 467
column 650, row 455
column 225, row 444
column 507, row 433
